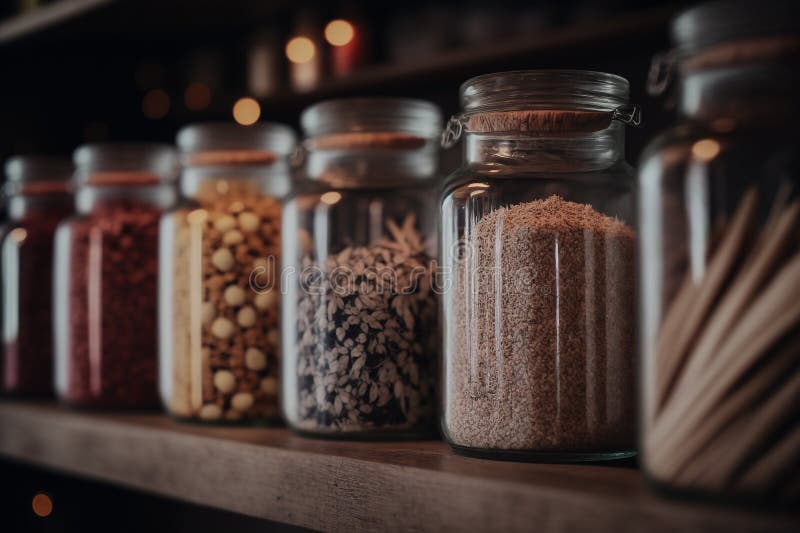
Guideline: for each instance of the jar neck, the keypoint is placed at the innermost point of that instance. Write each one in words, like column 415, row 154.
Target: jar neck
column 208, row 184
column 567, row 153
column 21, row 206
column 370, row 167
column 754, row 93
column 90, row 198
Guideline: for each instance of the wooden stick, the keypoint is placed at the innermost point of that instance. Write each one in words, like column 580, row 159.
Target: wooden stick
column 735, row 450
column 765, row 473
column 696, row 437
column 760, row 264
column 693, row 303
column 765, row 322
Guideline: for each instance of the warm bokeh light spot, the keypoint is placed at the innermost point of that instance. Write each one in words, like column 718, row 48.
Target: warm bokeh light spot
column 300, row 50
column 330, row 198
column 246, row 111
column 155, row 104
column 42, row 505
column 197, row 96
column 339, row 32
column 705, row 150
column 18, row 235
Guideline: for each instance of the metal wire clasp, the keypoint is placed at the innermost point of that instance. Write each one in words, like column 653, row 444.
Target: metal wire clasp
column 662, row 70
column 452, row 132
column 630, row 114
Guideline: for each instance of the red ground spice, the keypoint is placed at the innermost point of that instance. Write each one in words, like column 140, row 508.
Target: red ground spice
column 112, row 339
column 27, row 368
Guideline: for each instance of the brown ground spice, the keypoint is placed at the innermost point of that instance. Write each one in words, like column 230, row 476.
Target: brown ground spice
column 541, row 353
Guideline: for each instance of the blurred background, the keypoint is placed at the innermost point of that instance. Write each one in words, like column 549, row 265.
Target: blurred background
column 93, row 70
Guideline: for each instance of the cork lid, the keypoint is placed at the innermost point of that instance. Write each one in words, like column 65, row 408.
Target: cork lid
column 229, row 144
column 37, row 174
column 371, row 123
column 541, row 103
column 125, row 164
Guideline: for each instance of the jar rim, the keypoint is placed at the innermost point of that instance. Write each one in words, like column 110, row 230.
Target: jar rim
column 544, row 89
column 721, row 21
column 130, row 163
column 219, row 137
column 30, row 168
column 372, row 115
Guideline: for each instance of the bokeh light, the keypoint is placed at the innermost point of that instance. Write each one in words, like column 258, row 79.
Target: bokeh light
column 339, row 32
column 300, row 50
column 197, row 96
column 42, row 505
column 246, row 111
column 155, row 104
column 705, row 150
column 330, row 198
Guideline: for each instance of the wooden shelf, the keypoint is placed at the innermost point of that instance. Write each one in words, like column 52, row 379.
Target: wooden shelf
column 40, row 18
column 352, row 486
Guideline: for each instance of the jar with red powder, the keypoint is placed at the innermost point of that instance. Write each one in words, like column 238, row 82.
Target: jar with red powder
column 39, row 197
column 106, row 276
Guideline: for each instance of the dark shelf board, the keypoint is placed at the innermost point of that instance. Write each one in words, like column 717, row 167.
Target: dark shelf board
column 41, row 18
column 352, row 486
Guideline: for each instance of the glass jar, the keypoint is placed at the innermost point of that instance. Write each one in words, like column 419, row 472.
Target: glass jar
column 720, row 260
column 39, row 197
column 359, row 312
column 106, row 263
column 536, row 240
column 220, row 339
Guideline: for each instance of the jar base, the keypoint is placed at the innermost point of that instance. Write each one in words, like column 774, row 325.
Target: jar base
column 543, row 457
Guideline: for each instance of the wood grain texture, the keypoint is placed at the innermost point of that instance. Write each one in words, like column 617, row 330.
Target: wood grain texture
column 353, row 486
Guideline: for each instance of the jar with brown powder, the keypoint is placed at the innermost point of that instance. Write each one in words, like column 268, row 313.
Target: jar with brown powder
column 537, row 244
column 219, row 293
column 106, row 276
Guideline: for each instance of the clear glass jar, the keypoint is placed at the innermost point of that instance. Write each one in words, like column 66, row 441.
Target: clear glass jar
column 536, row 241
column 39, row 197
column 220, row 248
column 359, row 311
column 106, row 271
column 720, row 260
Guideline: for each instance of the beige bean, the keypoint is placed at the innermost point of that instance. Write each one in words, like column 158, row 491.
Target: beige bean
column 249, row 221
column 222, row 328
column 255, row 359
column 210, row 411
column 246, row 317
column 242, row 401
column 222, row 259
column 224, row 223
column 234, row 295
column 224, row 381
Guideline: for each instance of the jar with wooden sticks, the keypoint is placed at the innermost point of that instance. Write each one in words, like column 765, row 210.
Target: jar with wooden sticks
column 719, row 208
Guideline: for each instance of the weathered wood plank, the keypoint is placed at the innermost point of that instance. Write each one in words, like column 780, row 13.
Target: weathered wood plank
column 354, row 486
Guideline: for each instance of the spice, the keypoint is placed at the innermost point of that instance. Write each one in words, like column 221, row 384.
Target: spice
column 724, row 410
column 27, row 249
column 542, row 355
column 111, row 341
column 366, row 337
column 225, row 361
